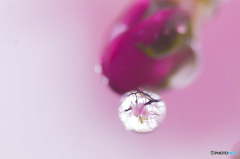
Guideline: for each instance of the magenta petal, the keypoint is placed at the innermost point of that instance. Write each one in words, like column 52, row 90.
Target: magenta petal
column 126, row 64
column 135, row 13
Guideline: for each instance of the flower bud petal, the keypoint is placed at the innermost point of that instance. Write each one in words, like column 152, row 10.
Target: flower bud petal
column 149, row 51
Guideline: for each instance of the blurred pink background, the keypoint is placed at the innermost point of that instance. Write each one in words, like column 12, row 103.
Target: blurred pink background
column 53, row 105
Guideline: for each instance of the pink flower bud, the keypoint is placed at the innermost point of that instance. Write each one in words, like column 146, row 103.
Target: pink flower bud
column 151, row 46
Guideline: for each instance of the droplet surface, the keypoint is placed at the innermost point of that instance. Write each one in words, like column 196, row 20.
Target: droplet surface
column 98, row 68
column 141, row 111
column 105, row 80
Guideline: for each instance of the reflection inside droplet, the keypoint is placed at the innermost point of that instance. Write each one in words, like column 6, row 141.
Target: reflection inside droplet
column 182, row 28
column 141, row 111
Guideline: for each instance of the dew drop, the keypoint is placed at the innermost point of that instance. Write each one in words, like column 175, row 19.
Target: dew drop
column 98, row 68
column 141, row 111
column 105, row 80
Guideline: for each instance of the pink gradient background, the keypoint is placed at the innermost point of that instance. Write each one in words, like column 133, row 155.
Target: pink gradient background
column 53, row 105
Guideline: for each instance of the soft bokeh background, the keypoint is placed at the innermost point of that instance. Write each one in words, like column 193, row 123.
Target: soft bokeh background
column 53, row 105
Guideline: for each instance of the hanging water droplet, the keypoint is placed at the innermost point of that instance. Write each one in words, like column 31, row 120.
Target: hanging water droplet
column 105, row 80
column 98, row 68
column 141, row 111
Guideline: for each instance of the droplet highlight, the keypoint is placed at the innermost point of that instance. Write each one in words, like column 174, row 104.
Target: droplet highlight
column 98, row 69
column 182, row 28
column 105, row 80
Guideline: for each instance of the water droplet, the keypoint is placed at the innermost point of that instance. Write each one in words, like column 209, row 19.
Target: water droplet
column 98, row 68
column 141, row 111
column 105, row 80
column 182, row 28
